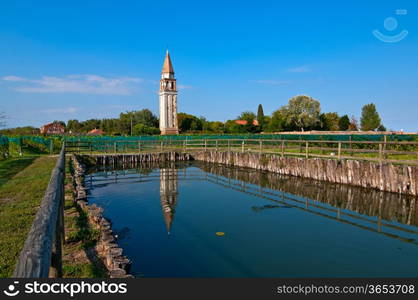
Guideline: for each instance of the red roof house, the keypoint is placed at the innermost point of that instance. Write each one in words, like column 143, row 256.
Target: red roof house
column 244, row 122
column 52, row 128
column 95, row 131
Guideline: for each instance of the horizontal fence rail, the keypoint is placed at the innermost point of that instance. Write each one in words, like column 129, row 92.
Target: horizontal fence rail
column 389, row 151
column 41, row 255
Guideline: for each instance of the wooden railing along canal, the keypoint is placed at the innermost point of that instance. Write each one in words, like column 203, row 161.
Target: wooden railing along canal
column 41, row 255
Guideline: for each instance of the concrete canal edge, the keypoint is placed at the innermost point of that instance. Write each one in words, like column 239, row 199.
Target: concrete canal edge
column 108, row 251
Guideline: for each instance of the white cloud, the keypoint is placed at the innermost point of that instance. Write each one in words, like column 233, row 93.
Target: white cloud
column 83, row 84
column 301, row 69
column 272, row 82
column 13, row 78
column 65, row 110
column 184, row 87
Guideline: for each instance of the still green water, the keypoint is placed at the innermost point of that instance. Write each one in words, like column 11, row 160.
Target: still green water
column 166, row 218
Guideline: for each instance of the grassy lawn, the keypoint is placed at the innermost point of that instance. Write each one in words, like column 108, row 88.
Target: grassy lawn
column 10, row 167
column 23, row 182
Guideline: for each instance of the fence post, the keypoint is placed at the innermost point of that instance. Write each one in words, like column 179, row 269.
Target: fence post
column 51, row 146
column 114, row 147
column 380, row 153
column 300, row 144
column 206, row 144
column 243, row 146
column 282, row 148
column 139, row 146
column 384, row 146
column 216, row 145
column 229, row 147
column 184, row 145
column 161, row 147
column 261, row 146
column 307, row 149
column 20, row 147
column 339, row 150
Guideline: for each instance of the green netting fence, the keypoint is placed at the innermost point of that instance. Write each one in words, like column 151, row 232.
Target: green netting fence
column 4, row 147
column 52, row 144
column 303, row 137
column 130, row 143
column 19, row 145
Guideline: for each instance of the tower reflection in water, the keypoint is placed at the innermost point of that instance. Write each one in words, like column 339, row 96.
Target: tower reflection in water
column 390, row 214
column 168, row 194
column 166, row 216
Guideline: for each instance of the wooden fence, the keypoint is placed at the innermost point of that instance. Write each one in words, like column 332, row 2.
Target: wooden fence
column 41, row 256
column 388, row 151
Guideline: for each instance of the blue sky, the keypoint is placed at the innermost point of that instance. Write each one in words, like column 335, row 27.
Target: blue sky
column 93, row 59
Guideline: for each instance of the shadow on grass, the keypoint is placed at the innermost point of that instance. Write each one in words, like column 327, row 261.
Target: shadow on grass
column 10, row 167
column 34, row 150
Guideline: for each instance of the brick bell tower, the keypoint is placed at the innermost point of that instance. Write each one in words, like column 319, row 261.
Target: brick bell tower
column 168, row 99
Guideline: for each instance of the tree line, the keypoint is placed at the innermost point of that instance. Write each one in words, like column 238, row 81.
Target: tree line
column 302, row 113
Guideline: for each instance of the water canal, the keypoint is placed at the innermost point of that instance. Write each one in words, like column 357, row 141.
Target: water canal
column 166, row 218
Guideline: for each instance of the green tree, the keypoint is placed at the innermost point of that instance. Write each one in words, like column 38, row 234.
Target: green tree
column 344, row 123
column 187, row 122
column 353, row 124
column 277, row 122
column 329, row 121
column 217, row 127
column 302, row 112
column 146, row 117
column 249, row 117
column 110, row 126
column 266, row 124
column 126, row 122
column 131, row 118
column 142, row 129
column 26, row 130
column 370, row 119
column 260, row 116
column 74, row 126
column 62, row 123
column 90, row 125
column 232, row 127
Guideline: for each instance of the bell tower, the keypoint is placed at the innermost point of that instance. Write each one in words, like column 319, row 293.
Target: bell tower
column 168, row 99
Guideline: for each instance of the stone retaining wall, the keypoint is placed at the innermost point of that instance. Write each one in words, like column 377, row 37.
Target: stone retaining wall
column 384, row 177
column 107, row 249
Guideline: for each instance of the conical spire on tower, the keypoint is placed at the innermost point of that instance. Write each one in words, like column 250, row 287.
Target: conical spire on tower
column 168, row 98
column 167, row 66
